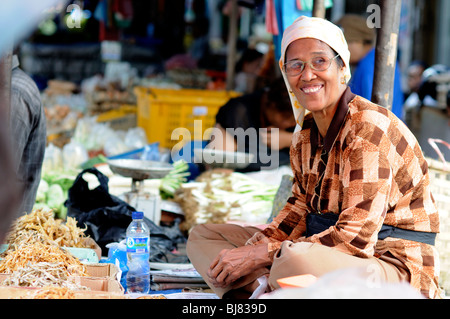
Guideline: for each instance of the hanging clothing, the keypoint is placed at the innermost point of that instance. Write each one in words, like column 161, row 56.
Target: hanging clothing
column 308, row 5
column 113, row 15
column 271, row 19
column 282, row 13
column 252, row 4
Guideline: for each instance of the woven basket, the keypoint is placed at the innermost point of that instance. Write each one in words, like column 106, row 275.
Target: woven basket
column 439, row 172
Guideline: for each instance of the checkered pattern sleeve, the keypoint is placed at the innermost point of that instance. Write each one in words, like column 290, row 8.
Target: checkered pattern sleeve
column 289, row 224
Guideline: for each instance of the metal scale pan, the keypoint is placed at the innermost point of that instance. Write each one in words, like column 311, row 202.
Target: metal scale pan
column 139, row 170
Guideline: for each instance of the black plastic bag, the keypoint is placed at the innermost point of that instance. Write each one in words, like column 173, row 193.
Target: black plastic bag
column 107, row 217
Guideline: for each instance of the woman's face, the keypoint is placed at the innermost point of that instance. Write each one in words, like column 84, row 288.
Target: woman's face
column 317, row 91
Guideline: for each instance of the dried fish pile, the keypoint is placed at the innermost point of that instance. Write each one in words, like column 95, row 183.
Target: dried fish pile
column 40, row 225
column 34, row 257
column 40, row 265
column 43, row 274
column 37, row 252
column 53, row 293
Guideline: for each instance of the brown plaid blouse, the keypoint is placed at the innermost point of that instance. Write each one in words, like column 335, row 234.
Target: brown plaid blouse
column 375, row 174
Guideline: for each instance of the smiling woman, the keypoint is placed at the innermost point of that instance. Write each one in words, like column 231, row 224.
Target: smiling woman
column 360, row 196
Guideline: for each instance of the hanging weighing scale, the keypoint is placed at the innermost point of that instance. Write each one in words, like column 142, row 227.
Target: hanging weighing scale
column 139, row 171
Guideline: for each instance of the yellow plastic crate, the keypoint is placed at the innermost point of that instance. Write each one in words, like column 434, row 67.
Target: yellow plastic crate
column 192, row 111
column 123, row 110
column 122, row 118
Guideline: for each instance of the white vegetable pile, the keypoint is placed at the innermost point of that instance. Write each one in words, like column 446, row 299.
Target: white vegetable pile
column 218, row 197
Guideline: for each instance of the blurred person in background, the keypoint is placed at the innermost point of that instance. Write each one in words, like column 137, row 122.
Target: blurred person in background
column 28, row 133
column 247, row 70
column 361, row 43
column 415, row 71
column 414, row 83
column 263, row 109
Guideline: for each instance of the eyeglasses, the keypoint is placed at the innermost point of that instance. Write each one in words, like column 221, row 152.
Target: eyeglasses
column 296, row 67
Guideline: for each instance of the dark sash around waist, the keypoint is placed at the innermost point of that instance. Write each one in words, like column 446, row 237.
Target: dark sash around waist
column 317, row 223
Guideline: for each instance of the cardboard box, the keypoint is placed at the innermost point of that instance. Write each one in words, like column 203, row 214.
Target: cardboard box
column 98, row 288
column 102, row 270
column 101, row 278
column 28, row 292
column 100, row 284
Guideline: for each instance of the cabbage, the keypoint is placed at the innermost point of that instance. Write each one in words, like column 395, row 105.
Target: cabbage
column 53, row 191
column 41, row 195
column 55, row 196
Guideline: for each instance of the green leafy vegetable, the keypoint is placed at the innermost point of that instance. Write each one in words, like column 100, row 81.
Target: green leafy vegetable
column 53, row 191
column 172, row 181
column 218, row 197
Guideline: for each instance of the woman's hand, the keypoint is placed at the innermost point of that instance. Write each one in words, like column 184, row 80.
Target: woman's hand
column 232, row 264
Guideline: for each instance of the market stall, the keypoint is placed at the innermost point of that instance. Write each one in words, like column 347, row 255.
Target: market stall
column 120, row 140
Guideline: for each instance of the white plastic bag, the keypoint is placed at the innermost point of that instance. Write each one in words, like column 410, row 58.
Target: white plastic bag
column 52, row 158
column 73, row 155
column 136, row 138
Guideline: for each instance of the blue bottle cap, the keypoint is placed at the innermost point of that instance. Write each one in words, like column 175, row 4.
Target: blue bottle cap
column 137, row 215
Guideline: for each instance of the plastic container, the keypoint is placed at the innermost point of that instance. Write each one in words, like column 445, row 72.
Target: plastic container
column 117, row 255
column 161, row 111
column 138, row 253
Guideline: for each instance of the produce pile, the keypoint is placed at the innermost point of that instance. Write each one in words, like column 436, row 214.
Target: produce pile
column 172, row 181
column 108, row 97
column 219, row 196
column 53, row 191
column 35, row 256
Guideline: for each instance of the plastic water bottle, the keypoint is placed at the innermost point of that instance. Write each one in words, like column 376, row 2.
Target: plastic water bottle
column 138, row 245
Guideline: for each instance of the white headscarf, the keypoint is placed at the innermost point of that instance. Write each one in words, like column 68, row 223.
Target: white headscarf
column 315, row 28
